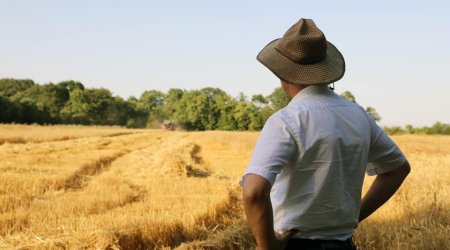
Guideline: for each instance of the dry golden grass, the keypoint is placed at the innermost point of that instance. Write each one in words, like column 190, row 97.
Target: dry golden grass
column 36, row 133
column 417, row 217
column 64, row 187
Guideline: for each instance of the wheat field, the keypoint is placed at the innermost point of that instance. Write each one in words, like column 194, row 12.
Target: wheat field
column 74, row 187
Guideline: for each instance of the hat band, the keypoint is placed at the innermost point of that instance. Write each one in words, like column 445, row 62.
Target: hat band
column 301, row 60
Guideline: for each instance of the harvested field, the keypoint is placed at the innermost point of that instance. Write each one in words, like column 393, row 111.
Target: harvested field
column 74, row 187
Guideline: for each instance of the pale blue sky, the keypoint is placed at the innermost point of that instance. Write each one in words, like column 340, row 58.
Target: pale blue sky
column 397, row 52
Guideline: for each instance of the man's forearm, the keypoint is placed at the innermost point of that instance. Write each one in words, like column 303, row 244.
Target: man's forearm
column 258, row 208
column 384, row 186
column 260, row 221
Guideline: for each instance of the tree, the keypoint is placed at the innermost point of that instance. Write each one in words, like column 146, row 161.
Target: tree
column 96, row 106
column 120, row 111
column 248, row 116
column 348, row 96
column 71, row 85
column 76, row 110
column 372, row 112
column 31, row 113
column 410, row 129
column 241, row 97
column 9, row 87
column 48, row 98
column 204, row 109
column 138, row 115
column 440, row 128
column 259, row 100
column 101, row 108
column 171, row 102
column 197, row 110
column 278, row 99
column 226, row 106
column 10, row 110
column 151, row 103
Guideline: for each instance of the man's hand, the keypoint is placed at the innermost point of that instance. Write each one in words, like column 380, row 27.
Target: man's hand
column 281, row 240
column 258, row 208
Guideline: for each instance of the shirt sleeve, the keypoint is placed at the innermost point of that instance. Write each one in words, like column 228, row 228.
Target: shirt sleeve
column 384, row 155
column 274, row 149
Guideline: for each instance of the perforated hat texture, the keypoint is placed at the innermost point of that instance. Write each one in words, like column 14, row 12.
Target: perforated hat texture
column 303, row 56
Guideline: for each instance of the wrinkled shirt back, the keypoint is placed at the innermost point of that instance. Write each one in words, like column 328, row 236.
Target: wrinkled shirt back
column 315, row 153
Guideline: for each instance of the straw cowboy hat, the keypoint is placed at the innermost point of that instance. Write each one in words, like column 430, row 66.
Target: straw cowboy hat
column 303, row 56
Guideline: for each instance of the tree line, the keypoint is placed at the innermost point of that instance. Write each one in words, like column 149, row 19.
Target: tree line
column 69, row 102
column 437, row 128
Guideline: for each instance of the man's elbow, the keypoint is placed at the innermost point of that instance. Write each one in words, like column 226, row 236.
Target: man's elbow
column 399, row 173
column 405, row 169
column 255, row 189
column 250, row 196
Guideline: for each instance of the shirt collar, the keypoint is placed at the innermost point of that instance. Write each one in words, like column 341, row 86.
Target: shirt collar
column 311, row 91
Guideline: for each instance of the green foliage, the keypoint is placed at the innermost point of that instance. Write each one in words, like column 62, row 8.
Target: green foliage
column 151, row 105
column 48, row 98
column 347, row 95
column 71, row 85
column 259, row 99
column 226, row 106
column 197, row 109
column 97, row 106
column 76, row 110
column 31, row 113
column 10, row 110
column 9, row 87
column 278, row 99
column 101, row 106
column 370, row 110
column 69, row 102
column 248, row 116
column 438, row 128
column 394, row 130
column 138, row 115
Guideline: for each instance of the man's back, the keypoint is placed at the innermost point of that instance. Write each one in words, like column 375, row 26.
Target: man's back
column 324, row 182
column 318, row 190
column 306, row 173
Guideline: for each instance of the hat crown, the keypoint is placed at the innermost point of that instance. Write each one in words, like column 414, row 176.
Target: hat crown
column 303, row 43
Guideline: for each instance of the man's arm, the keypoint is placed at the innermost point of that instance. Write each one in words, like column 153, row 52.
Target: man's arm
column 384, row 186
column 258, row 208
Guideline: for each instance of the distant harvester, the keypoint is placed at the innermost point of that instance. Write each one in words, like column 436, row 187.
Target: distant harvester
column 168, row 125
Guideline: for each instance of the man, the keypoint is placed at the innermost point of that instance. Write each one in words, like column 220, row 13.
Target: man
column 302, row 187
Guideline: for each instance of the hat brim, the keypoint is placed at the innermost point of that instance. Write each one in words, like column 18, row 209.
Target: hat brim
column 329, row 70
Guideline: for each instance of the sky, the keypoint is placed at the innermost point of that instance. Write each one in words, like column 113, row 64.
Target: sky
column 397, row 53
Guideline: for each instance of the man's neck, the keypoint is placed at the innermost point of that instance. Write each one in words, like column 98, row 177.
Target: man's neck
column 292, row 89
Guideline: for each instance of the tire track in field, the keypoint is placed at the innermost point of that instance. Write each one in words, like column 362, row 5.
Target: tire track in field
column 91, row 169
column 82, row 179
column 81, row 176
column 75, row 184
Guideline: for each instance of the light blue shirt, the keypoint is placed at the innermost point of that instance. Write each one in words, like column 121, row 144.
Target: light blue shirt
column 315, row 152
